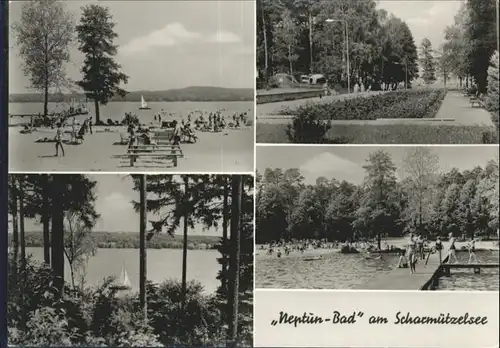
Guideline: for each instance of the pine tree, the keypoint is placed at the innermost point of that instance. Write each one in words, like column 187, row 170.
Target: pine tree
column 427, row 61
column 101, row 73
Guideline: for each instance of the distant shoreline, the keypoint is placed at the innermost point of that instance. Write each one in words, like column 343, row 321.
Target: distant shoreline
column 189, row 94
column 130, row 240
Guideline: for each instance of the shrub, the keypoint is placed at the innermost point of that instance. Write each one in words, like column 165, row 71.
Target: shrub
column 308, row 128
column 348, row 249
column 397, row 104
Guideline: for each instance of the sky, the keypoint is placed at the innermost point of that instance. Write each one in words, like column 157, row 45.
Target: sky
column 114, row 203
column 426, row 18
column 167, row 44
column 346, row 163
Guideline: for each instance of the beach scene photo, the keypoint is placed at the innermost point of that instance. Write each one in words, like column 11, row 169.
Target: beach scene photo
column 131, row 86
column 114, row 260
column 377, row 72
column 377, row 218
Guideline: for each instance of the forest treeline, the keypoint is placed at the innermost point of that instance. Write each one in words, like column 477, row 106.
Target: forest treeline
column 390, row 202
column 294, row 36
column 123, row 240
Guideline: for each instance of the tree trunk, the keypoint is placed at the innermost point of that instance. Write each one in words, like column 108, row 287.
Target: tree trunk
column 420, row 217
column 15, row 229
column 185, row 242
column 21, row 224
column 46, row 82
column 225, row 216
column 97, row 115
column 58, row 233
column 237, row 189
column 290, row 59
column 311, row 62
column 142, row 246
column 72, row 274
column 266, row 53
column 46, row 218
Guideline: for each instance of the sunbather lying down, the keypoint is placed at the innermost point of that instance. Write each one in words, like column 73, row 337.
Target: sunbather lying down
column 27, row 129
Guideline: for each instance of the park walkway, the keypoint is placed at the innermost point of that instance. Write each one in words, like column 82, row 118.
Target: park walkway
column 457, row 106
column 401, row 279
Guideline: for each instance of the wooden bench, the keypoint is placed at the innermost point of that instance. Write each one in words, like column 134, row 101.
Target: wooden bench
column 476, row 100
column 169, row 151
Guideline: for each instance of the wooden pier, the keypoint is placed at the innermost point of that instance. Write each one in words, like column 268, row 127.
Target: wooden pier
column 446, row 268
column 426, row 277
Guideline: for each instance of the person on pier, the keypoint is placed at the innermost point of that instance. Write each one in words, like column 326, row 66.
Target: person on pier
column 452, row 250
column 412, row 253
column 472, row 250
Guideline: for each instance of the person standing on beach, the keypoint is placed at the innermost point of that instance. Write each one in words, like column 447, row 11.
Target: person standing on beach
column 59, row 134
column 73, row 129
column 177, row 133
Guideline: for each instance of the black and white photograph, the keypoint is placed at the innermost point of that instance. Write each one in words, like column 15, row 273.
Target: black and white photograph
column 112, row 260
column 377, row 218
column 131, row 86
column 377, row 72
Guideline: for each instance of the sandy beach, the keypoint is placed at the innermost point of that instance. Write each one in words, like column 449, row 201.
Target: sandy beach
column 227, row 151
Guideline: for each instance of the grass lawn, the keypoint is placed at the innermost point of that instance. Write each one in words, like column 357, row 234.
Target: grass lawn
column 387, row 134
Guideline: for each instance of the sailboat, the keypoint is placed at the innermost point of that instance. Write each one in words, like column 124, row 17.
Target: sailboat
column 124, row 283
column 144, row 105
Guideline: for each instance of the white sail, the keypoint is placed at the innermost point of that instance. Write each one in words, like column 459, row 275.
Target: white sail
column 143, row 102
column 124, row 278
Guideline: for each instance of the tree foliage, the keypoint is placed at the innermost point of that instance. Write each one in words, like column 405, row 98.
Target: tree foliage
column 419, row 198
column 381, row 47
column 44, row 34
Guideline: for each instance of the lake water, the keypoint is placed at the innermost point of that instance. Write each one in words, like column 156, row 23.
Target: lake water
column 352, row 271
column 116, row 110
column 162, row 264
column 465, row 279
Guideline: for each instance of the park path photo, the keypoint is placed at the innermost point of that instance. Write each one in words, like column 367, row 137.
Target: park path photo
column 130, row 260
column 165, row 86
column 377, row 218
column 377, row 72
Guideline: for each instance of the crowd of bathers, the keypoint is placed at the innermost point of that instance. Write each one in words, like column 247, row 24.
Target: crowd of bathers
column 214, row 121
column 416, row 249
